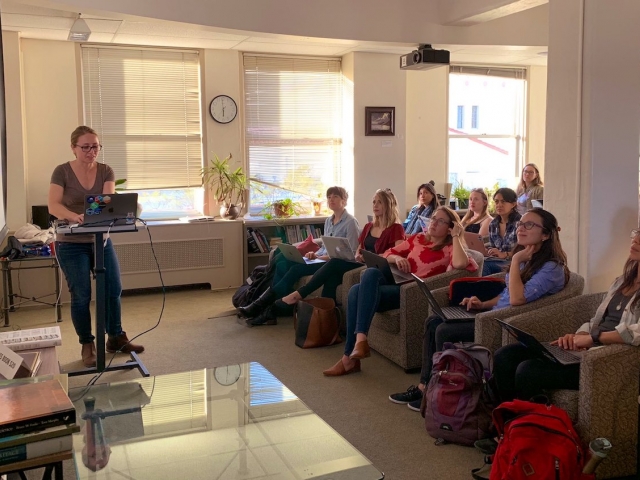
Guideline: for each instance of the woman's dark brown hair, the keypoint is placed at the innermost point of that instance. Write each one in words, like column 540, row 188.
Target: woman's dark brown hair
column 80, row 131
column 432, row 190
column 550, row 251
column 629, row 277
column 508, row 195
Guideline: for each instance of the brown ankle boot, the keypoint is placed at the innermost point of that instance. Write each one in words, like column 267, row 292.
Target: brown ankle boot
column 89, row 354
column 121, row 343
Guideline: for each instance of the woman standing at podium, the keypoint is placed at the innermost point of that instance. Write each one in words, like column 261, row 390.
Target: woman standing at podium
column 70, row 182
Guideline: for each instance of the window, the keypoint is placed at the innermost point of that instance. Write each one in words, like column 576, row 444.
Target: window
column 145, row 106
column 293, row 127
column 492, row 151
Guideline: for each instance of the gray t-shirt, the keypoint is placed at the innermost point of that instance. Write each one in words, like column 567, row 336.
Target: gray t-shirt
column 74, row 193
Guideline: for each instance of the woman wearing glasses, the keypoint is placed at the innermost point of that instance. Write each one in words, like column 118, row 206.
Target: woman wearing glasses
column 529, row 188
column 539, row 268
column 436, row 251
column 70, row 183
column 518, row 373
column 502, row 231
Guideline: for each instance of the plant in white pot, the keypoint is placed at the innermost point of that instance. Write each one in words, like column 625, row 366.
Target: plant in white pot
column 228, row 186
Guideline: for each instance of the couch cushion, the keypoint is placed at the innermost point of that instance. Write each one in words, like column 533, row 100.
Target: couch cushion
column 567, row 400
column 388, row 321
column 307, row 246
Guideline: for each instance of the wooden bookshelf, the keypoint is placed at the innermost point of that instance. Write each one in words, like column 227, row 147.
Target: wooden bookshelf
column 276, row 228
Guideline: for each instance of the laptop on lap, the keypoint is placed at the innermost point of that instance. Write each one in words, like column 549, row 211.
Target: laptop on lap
column 391, row 272
column 448, row 314
column 291, row 253
column 554, row 353
column 338, row 247
column 474, row 242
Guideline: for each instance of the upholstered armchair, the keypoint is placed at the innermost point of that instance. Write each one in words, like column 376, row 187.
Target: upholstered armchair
column 397, row 334
column 606, row 405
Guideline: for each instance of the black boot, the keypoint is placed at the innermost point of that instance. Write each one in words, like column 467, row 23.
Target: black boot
column 267, row 317
column 259, row 304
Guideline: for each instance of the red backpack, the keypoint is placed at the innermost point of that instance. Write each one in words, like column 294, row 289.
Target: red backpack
column 536, row 441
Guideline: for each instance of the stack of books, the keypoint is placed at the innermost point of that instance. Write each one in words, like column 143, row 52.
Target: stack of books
column 30, row 364
column 18, row 340
column 36, row 419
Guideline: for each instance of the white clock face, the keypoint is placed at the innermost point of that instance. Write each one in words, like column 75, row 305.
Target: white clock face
column 227, row 375
column 223, row 109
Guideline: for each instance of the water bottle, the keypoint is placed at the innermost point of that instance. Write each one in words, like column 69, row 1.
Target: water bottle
column 599, row 448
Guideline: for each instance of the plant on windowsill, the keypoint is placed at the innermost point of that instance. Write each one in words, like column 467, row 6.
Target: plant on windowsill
column 462, row 194
column 283, row 208
column 228, row 186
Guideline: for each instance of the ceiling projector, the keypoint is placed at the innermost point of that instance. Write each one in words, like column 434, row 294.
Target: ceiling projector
column 424, row 58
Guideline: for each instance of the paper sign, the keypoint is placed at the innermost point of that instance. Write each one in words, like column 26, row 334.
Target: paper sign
column 10, row 362
column 386, row 144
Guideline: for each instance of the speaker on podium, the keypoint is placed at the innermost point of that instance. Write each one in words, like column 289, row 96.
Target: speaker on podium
column 40, row 216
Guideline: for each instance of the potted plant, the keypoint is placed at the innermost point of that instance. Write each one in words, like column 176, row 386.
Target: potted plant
column 283, row 208
column 462, row 194
column 228, row 186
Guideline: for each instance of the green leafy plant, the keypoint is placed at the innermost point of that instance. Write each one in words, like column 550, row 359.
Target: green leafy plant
column 282, row 209
column 228, row 186
column 490, row 193
column 462, row 194
column 119, row 182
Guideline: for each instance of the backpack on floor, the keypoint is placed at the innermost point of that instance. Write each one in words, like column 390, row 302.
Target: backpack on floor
column 254, row 286
column 457, row 404
column 536, row 441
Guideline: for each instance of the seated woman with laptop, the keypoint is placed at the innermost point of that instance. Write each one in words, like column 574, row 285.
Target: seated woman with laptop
column 384, row 232
column 520, row 373
column 477, row 219
column 425, row 254
column 502, row 231
column 539, row 268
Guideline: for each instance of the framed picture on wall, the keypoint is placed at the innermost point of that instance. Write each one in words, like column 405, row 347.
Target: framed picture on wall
column 379, row 121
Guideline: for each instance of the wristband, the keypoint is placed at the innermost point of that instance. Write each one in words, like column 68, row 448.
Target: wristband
column 595, row 336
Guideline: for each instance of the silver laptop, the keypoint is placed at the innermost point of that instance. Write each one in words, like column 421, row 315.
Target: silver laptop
column 552, row 352
column 391, row 272
column 291, row 253
column 448, row 314
column 338, row 247
column 536, row 203
column 474, row 242
column 110, row 209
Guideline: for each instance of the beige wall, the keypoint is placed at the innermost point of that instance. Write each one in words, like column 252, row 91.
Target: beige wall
column 537, row 116
column 427, row 135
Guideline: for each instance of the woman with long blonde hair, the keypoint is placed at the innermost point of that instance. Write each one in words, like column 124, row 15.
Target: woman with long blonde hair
column 477, row 219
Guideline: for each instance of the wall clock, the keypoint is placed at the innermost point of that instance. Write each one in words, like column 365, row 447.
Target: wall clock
column 223, row 109
column 227, row 375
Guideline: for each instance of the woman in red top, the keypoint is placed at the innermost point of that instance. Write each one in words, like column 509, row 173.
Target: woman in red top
column 438, row 250
column 384, row 232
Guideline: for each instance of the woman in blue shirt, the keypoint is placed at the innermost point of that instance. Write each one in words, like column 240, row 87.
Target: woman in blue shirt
column 538, row 268
column 502, row 231
column 427, row 204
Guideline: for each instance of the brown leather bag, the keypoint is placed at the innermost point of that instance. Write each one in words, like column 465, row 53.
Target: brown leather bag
column 317, row 323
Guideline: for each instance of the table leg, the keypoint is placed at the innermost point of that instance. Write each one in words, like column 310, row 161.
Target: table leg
column 56, row 270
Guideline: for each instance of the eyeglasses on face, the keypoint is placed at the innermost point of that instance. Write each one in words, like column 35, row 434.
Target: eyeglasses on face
column 440, row 221
column 88, row 148
column 635, row 233
column 528, row 225
column 529, row 172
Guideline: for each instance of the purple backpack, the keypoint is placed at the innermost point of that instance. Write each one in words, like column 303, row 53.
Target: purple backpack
column 457, row 406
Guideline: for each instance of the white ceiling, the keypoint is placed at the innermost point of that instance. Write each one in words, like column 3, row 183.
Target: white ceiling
column 46, row 24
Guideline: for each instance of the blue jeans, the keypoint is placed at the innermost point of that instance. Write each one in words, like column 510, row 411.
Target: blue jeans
column 493, row 265
column 373, row 294
column 76, row 261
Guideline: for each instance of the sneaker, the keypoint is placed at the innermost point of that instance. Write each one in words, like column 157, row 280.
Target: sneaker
column 412, row 393
column 487, row 446
column 415, row 405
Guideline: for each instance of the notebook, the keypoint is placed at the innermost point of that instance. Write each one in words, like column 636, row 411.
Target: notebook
column 448, row 314
column 391, row 273
column 291, row 253
column 474, row 242
column 552, row 352
column 338, row 247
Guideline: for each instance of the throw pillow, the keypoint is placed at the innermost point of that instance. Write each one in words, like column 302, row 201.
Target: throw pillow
column 308, row 246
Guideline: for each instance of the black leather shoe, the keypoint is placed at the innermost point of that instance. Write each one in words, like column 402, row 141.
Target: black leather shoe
column 263, row 301
column 268, row 317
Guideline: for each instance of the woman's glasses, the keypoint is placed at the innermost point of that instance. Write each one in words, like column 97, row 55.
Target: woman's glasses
column 88, row 148
column 440, row 221
column 528, row 225
column 635, row 233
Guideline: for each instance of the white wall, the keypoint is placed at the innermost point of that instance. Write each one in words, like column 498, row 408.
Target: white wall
column 379, row 162
column 537, row 116
column 427, row 133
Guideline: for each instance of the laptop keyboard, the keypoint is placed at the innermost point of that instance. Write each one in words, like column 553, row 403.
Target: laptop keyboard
column 562, row 354
column 457, row 312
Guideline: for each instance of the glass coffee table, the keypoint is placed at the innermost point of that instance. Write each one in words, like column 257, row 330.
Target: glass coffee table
column 230, row 422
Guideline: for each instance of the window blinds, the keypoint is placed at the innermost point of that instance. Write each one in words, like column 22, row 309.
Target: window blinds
column 145, row 106
column 294, row 121
column 503, row 72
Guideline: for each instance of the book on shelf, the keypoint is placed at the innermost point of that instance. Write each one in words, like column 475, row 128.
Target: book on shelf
column 264, row 241
column 38, row 435
column 30, row 364
column 256, row 239
column 33, row 338
column 27, row 407
column 19, row 453
column 251, row 242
